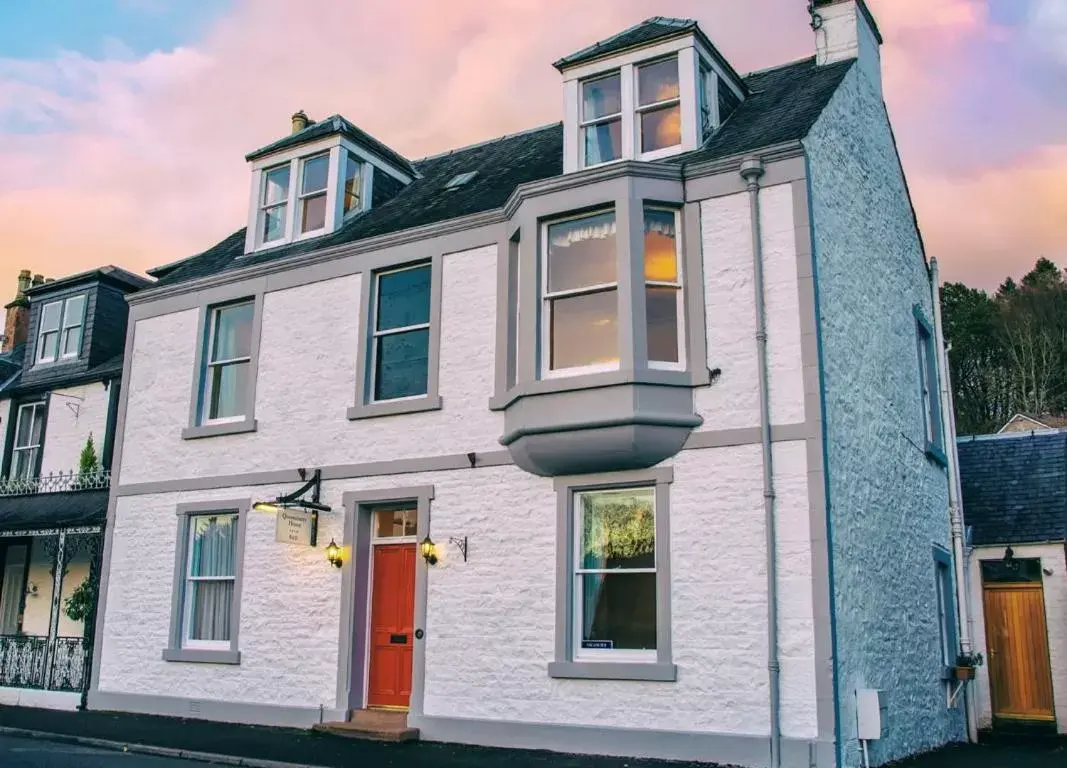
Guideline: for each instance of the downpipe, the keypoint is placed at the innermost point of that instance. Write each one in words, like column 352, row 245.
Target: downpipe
column 752, row 171
column 955, row 513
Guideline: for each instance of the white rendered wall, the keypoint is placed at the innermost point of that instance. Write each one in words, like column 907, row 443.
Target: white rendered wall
column 1053, row 559
column 726, row 231
column 306, row 381
column 490, row 629
column 74, row 413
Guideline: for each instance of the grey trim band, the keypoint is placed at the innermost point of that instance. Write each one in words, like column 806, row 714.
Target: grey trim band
column 720, row 748
column 784, row 171
column 591, row 670
column 210, row 709
column 201, row 656
column 728, row 438
column 215, row 430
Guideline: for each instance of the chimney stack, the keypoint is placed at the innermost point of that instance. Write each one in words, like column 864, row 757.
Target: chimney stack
column 17, row 322
column 300, row 121
column 846, row 29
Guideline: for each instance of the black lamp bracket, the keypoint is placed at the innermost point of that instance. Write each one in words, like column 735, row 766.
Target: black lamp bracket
column 461, row 544
column 314, row 485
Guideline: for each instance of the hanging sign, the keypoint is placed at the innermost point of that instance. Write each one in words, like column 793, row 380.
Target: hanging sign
column 296, row 526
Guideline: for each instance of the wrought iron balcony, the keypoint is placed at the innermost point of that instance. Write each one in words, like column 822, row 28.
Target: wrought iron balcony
column 55, row 482
column 31, row 661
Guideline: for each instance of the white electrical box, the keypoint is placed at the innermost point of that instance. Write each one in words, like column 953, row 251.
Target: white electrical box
column 869, row 714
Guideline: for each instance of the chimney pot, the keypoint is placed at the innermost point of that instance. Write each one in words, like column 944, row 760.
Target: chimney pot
column 17, row 319
column 38, row 280
column 300, row 121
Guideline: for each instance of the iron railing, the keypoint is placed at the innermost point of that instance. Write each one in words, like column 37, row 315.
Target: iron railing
column 27, row 661
column 54, row 482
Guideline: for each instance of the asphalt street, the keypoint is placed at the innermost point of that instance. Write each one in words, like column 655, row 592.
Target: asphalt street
column 37, row 753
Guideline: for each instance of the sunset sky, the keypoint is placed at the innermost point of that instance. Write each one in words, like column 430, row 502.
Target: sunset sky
column 124, row 123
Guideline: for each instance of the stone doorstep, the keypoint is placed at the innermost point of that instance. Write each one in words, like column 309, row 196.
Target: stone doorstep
column 373, row 724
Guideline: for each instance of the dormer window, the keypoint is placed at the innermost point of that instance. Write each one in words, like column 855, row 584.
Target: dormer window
column 315, row 174
column 353, row 183
column 602, row 119
column 659, row 106
column 275, row 203
column 60, row 334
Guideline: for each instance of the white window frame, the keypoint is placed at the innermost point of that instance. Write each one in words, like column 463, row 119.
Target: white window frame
column 209, row 363
column 34, row 449
column 189, row 579
column 547, row 298
column 376, row 539
column 679, row 285
column 375, row 334
column 619, row 116
column 365, row 177
column 301, row 196
column 261, row 214
column 578, row 573
column 640, row 109
column 61, row 330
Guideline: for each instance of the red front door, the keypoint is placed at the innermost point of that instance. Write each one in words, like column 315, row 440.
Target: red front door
column 391, row 619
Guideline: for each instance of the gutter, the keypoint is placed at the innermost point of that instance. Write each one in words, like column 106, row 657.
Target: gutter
column 751, row 171
column 960, row 557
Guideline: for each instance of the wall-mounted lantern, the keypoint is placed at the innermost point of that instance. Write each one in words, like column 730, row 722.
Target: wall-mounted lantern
column 429, row 551
column 333, row 554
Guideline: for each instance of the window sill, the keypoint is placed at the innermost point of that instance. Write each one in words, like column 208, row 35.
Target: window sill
column 669, row 378
column 201, row 656
column 613, row 670
column 394, row 408
column 217, row 430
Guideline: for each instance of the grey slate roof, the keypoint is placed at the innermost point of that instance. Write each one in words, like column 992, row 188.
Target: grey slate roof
column 53, row 510
column 1015, row 487
column 783, row 105
column 648, row 31
column 45, row 379
column 331, row 125
column 122, row 277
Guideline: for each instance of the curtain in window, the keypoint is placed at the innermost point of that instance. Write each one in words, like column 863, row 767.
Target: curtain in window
column 212, row 568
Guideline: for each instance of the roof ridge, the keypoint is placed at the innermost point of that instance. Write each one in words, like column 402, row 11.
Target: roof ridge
column 487, row 142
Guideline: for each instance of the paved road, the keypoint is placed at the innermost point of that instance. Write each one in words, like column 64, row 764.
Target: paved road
column 36, row 753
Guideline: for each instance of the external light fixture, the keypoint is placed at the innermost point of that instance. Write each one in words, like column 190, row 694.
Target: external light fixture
column 333, row 554
column 429, row 551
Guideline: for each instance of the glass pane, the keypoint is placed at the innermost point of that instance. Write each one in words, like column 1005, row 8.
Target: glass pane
column 313, row 215
column 661, row 249
column 581, row 252
column 233, row 332
column 72, row 340
column 661, row 310
column 274, row 223
column 50, row 316
column 49, row 345
column 24, row 434
column 276, row 187
column 585, row 330
column 602, row 97
column 395, row 522
column 74, row 311
column 618, row 528
column 24, row 464
column 657, row 82
column 618, row 610
column 661, row 128
column 38, row 425
column 403, row 362
column 404, row 298
column 316, row 171
column 214, row 545
column 1012, row 571
column 210, row 610
column 229, row 383
column 603, row 142
column 353, row 184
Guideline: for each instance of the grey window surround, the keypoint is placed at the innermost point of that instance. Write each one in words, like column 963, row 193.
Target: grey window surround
column 364, row 407
column 174, row 650
column 197, row 430
column 924, row 333
column 565, row 666
column 943, row 559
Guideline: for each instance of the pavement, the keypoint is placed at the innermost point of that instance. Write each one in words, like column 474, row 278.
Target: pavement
column 82, row 739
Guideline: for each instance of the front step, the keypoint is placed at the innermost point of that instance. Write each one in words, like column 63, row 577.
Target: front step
column 373, row 724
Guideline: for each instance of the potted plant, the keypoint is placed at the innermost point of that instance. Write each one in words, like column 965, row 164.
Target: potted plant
column 967, row 665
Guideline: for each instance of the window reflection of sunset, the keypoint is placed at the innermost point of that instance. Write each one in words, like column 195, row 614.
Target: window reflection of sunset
column 661, row 262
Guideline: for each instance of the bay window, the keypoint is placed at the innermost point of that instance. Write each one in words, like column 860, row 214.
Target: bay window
column 663, row 288
column 659, row 107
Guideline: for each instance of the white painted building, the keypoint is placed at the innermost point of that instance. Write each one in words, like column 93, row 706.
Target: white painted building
column 60, row 369
column 578, row 504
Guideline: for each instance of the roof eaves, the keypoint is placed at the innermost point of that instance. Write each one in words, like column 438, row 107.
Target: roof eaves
column 604, row 47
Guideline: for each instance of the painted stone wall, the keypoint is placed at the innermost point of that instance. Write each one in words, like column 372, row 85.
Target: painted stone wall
column 74, row 413
column 888, row 501
column 1054, row 567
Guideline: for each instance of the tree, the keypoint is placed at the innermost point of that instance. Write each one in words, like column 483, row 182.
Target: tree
column 88, row 464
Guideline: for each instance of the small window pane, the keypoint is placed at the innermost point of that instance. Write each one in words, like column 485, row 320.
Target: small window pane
column 603, row 142
column 211, row 606
column 585, row 330
column 274, row 223
column 403, row 298
column 661, row 309
column 657, row 82
column 233, row 332
column 214, row 546
column 276, row 188
column 49, row 346
column 618, row 529
column 24, row 464
column 619, row 611
column 50, row 316
column 602, row 97
column 661, row 249
column 30, row 423
column 75, row 308
column 313, row 216
column 72, row 341
column 353, row 183
column 390, row 523
column 228, row 386
column 581, row 253
column 661, row 128
column 402, row 365
column 316, row 172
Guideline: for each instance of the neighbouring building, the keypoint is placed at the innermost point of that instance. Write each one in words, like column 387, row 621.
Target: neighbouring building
column 60, row 366
column 1015, row 507
column 1034, row 422
column 625, row 431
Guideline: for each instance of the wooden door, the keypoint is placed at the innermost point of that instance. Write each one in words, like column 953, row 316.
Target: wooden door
column 1020, row 677
column 392, row 626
